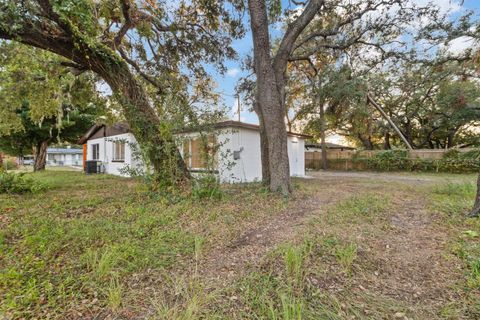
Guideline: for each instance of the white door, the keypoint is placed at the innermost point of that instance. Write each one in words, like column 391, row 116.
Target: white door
column 293, row 157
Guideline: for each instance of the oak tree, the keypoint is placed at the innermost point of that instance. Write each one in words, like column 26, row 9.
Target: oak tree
column 133, row 46
column 311, row 27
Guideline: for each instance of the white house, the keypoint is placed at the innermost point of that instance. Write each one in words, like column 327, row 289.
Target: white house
column 64, row 157
column 237, row 156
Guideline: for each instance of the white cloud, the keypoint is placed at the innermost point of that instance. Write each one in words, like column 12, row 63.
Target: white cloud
column 459, row 45
column 445, row 6
column 233, row 72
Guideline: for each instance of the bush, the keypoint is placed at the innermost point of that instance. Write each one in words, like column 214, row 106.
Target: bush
column 453, row 161
column 206, row 186
column 18, row 183
column 9, row 165
column 389, row 160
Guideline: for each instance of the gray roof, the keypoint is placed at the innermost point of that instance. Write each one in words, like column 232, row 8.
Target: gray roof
column 64, row 151
column 329, row 146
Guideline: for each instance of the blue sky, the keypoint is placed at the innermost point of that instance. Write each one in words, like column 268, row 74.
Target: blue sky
column 226, row 83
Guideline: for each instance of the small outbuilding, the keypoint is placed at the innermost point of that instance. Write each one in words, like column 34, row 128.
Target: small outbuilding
column 64, row 157
column 237, row 150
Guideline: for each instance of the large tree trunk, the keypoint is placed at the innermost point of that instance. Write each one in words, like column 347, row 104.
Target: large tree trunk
column 145, row 124
column 158, row 145
column 263, row 146
column 40, row 156
column 476, row 207
column 269, row 103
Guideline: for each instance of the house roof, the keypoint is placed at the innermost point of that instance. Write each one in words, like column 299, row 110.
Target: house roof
column 329, row 146
column 122, row 127
column 64, row 151
column 243, row 125
column 96, row 131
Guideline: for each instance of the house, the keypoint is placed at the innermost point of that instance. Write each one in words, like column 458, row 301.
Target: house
column 64, row 157
column 317, row 147
column 237, row 156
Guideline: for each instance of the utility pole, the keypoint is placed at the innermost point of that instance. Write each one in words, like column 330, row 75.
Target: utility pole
column 386, row 117
column 238, row 107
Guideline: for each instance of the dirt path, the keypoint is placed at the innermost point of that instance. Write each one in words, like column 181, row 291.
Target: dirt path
column 406, row 262
column 226, row 263
column 410, row 258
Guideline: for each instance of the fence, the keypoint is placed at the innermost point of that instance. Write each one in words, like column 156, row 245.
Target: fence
column 342, row 159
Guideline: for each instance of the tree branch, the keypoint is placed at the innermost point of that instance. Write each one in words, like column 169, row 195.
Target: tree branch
column 293, row 32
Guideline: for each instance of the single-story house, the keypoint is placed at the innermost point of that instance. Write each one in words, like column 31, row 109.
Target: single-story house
column 317, row 147
column 237, row 156
column 64, row 157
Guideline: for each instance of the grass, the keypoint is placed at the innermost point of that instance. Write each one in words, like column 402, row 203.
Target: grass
column 91, row 245
column 86, row 236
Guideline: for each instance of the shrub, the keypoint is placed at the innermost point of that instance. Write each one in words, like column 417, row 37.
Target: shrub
column 18, row 183
column 9, row 164
column 452, row 161
column 206, row 186
column 389, row 160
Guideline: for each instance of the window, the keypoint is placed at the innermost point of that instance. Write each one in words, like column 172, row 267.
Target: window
column 202, row 151
column 118, row 151
column 95, row 151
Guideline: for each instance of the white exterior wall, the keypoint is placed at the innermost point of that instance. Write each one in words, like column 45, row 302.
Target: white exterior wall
column 248, row 168
column 106, row 152
column 64, row 159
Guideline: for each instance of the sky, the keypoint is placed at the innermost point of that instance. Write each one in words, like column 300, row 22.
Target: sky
column 226, row 83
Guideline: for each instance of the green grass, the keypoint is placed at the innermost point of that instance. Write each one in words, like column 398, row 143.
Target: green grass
column 453, row 201
column 84, row 237
column 358, row 207
column 90, row 245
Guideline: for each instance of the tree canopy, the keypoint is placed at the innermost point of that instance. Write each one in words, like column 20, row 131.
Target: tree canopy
column 42, row 102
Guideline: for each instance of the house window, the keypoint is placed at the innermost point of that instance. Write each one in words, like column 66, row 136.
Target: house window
column 95, row 151
column 202, row 152
column 119, row 151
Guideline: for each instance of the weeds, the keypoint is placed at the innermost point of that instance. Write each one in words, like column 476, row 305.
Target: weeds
column 293, row 259
column 346, row 255
column 368, row 206
column 114, row 294
column 206, row 186
column 18, row 183
column 65, row 245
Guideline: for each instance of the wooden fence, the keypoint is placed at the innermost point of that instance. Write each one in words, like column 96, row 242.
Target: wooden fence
column 313, row 160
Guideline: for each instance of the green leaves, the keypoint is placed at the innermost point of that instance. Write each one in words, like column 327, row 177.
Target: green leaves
column 41, row 100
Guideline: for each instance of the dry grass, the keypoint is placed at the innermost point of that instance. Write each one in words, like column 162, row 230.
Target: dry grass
column 341, row 247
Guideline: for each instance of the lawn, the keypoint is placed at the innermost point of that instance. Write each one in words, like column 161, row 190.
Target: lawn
column 342, row 247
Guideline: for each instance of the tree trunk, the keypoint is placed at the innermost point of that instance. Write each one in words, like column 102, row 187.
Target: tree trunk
column 158, row 144
column 451, row 138
column 387, row 145
column 269, row 103
column 366, row 141
column 263, row 146
column 40, row 156
column 476, row 207
column 322, row 137
column 144, row 123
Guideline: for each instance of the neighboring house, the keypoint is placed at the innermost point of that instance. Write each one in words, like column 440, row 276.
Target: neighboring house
column 64, row 157
column 317, row 147
column 236, row 160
